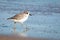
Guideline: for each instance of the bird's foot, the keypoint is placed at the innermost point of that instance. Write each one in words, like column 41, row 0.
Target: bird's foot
column 26, row 29
column 14, row 29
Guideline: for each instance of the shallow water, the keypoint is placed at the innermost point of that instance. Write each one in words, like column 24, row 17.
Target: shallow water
column 44, row 22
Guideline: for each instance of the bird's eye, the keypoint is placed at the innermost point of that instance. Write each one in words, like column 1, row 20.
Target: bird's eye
column 26, row 13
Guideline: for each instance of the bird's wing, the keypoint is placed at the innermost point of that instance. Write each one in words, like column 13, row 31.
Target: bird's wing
column 17, row 16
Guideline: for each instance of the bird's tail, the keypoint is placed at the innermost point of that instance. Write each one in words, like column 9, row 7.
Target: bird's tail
column 8, row 18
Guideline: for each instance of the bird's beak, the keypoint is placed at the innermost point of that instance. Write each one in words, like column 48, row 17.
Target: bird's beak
column 30, row 14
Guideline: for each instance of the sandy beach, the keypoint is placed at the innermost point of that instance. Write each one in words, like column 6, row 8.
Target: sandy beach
column 17, row 37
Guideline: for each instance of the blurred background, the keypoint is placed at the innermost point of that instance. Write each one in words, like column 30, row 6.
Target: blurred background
column 44, row 22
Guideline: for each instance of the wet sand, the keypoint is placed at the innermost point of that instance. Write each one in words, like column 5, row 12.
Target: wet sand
column 16, row 37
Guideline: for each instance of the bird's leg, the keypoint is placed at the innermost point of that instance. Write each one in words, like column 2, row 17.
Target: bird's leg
column 26, row 27
column 14, row 28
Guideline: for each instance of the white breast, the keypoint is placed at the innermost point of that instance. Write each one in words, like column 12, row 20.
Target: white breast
column 24, row 19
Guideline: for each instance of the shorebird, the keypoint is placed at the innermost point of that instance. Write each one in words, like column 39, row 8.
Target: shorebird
column 21, row 18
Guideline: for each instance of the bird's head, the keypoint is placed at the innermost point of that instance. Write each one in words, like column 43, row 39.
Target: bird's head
column 27, row 12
